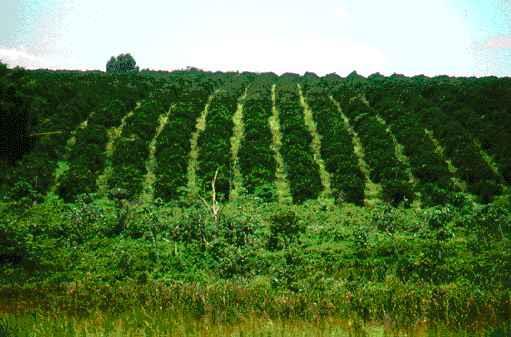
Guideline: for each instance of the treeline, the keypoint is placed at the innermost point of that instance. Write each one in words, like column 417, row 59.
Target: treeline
column 16, row 107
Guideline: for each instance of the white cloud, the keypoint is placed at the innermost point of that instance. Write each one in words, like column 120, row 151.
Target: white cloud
column 340, row 12
column 498, row 42
column 20, row 57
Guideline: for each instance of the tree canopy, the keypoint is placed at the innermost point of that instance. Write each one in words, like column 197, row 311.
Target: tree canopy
column 123, row 63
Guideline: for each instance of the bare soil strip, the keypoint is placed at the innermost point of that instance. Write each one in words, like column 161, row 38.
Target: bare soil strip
column 237, row 137
column 113, row 135
column 281, row 182
column 372, row 190
column 200, row 126
column 316, row 146
column 63, row 165
column 403, row 158
column 151, row 163
column 459, row 183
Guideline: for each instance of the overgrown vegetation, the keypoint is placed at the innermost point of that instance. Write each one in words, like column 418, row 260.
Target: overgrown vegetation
column 443, row 265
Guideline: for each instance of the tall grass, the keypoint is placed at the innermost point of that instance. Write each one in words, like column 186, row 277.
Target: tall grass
column 164, row 323
column 229, row 309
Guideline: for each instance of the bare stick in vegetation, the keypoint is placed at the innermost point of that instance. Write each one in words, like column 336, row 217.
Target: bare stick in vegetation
column 214, row 206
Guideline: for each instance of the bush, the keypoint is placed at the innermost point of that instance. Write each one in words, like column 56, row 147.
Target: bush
column 491, row 222
column 285, row 229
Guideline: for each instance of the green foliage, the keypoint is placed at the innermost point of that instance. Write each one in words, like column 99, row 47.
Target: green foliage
column 336, row 147
column 386, row 219
column 491, row 222
column 304, row 262
column 52, row 105
column 124, row 63
column 302, row 171
column 8, row 329
column 446, row 264
column 214, row 142
column 87, row 156
column 63, row 101
column 24, row 193
column 16, row 112
column 379, row 151
column 257, row 162
column 482, row 107
column 398, row 110
column 132, row 148
column 465, row 155
column 173, row 144
column 285, row 229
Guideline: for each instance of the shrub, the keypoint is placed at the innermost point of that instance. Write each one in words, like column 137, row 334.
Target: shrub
column 285, row 229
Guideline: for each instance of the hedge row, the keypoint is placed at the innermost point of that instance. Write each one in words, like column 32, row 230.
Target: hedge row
column 386, row 169
column 256, row 158
column 132, row 148
column 214, row 143
column 302, row 171
column 347, row 180
column 62, row 100
column 87, row 158
column 461, row 149
column 434, row 179
column 483, row 106
column 433, row 102
column 173, row 144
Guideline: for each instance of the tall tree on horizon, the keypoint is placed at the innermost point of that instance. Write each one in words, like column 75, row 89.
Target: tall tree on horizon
column 124, row 63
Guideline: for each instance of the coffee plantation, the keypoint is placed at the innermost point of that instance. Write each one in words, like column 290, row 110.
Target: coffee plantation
column 414, row 231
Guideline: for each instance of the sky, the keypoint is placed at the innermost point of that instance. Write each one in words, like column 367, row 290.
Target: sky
column 411, row 37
